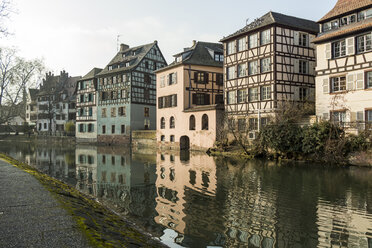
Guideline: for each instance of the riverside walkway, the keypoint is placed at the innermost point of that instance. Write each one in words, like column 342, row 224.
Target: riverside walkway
column 30, row 216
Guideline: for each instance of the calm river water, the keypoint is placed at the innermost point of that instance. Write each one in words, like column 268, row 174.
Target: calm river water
column 193, row 200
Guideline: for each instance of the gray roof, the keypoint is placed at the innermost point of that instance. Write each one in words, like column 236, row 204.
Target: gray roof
column 198, row 54
column 277, row 18
column 33, row 94
column 91, row 74
column 140, row 53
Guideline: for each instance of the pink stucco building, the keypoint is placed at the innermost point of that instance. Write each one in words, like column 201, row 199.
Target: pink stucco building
column 189, row 109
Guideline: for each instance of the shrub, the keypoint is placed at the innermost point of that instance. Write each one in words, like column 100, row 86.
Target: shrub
column 70, row 127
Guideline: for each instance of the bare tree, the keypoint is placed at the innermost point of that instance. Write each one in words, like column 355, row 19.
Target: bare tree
column 16, row 75
column 6, row 9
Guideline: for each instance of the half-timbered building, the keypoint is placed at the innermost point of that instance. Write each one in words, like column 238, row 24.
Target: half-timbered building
column 267, row 63
column 127, row 93
column 344, row 65
column 86, row 107
column 190, row 97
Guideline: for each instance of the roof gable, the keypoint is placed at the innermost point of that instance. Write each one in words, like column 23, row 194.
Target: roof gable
column 345, row 6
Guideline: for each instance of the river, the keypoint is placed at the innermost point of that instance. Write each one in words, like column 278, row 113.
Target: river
column 193, row 200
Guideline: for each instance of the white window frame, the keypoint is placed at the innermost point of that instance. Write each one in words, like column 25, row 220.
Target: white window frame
column 265, row 37
column 338, row 84
column 231, row 97
column 230, row 72
column 253, row 67
column 339, row 49
column 253, row 94
column 364, row 43
column 230, row 47
column 242, row 70
column 265, row 65
column 303, row 67
column 265, row 92
column 253, row 40
column 242, row 96
column 242, row 44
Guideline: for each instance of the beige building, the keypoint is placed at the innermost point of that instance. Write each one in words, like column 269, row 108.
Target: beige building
column 344, row 64
column 267, row 63
column 190, row 98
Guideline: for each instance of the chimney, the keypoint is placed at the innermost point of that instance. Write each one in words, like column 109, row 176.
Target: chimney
column 155, row 41
column 123, row 47
column 193, row 43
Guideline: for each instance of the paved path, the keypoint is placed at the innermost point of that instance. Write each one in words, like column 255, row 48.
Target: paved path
column 30, row 216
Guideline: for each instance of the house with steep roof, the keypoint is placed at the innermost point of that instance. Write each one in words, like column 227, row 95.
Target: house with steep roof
column 31, row 106
column 56, row 102
column 190, row 98
column 344, row 65
column 86, row 107
column 268, row 63
column 127, row 93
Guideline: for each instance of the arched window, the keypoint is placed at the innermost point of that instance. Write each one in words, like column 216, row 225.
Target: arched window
column 171, row 122
column 162, row 123
column 205, row 122
column 192, row 122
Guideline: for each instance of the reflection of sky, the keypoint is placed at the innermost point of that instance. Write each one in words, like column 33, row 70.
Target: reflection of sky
column 169, row 237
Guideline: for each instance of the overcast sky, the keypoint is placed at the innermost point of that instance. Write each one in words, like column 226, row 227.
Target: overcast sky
column 77, row 35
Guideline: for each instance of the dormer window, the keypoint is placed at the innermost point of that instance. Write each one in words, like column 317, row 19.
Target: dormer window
column 127, row 64
column 110, row 67
column 179, row 58
column 218, row 57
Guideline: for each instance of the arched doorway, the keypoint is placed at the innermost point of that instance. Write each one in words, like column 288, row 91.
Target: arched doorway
column 184, row 143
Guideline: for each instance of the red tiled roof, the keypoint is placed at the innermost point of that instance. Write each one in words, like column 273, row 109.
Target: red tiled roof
column 355, row 27
column 345, row 6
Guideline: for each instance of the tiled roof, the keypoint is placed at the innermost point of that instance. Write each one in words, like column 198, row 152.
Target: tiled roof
column 140, row 53
column 344, row 7
column 198, row 54
column 277, row 18
column 33, row 94
column 91, row 74
column 349, row 29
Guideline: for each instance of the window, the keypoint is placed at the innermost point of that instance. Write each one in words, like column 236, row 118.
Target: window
column 303, row 66
column 364, row 14
column 242, row 70
column 219, row 79
column 253, row 41
column 113, row 160
column 338, row 84
column 103, row 129
column 162, row 123
column 114, row 79
column 230, row 47
column 369, row 116
column 231, row 97
column 173, row 100
column 171, row 138
column 172, row 79
column 218, row 57
column 162, row 138
column 104, row 112
column 81, row 128
column 338, row 116
column 241, row 124
column 201, row 77
column 369, row 80
column 242, row 44
column 265, row 37
column 113, row 112
column 147, row 79
column 104, row 159
column 253, row 124
column 231, row 72
column 122, row 129
column 205, row 122
column 146, row 112
column 242, row 96
column 162, row 81
column 113, row 129
column 218, row 99
column 90, row 97
column 192, row 122
column 303, row 94
column 90, row 127
column 172, row 122
column 45, row 125
column 265, row 93
column 200, row 99
column 339, row 48
column 364, row 43
column 123, row 93
column 253, row 67
column 122, row 111
column 303, row 39
column 265, row 65
column 90, row 111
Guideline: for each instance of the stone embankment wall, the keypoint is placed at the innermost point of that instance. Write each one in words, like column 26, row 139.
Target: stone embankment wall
column 143, row 138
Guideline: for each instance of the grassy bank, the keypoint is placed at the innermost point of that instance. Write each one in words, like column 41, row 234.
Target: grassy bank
column 101, row 226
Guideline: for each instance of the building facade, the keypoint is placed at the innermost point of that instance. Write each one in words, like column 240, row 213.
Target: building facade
column 56, row 103
column 127, row 93
column 344, row 65
column 268, row 63
column 31, row 107
column 86, row 107
column 190, row 98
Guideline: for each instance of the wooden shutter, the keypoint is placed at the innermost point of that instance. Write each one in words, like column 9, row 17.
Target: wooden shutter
column 326, row 85
column 360, row 116
column 360, row 81
column 195, row 77
column 206, row 99
column 312, row 68
column 175, row 77
column 194, row 98
column 312, row 94
column 328, row 51
column 296, row 66
column 296, row 95
column 175, row 100
column 350, row 82
column 168, row 79
column 350, row 46
column 206, row 77
column 296, row 38
column 160, row 102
